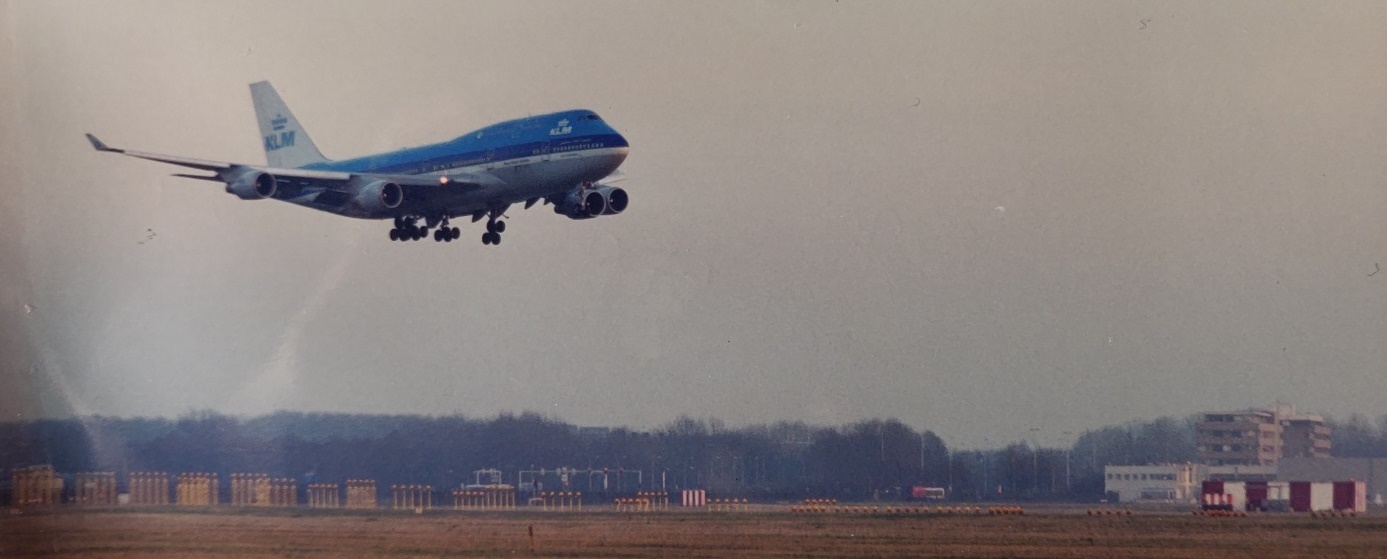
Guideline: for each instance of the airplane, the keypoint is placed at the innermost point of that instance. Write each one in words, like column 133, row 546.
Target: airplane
column 567, row 159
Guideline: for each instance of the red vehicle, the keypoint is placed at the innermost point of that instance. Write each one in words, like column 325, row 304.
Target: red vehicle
column 923, row 493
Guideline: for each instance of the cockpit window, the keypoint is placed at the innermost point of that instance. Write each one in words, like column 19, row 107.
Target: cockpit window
column 591, row 117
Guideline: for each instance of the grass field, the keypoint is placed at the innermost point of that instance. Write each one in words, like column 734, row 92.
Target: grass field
column 262, row 533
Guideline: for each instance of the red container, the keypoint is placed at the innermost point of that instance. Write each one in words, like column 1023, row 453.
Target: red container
column 1344, row 493
column 1300, row 496
column 1256, row 495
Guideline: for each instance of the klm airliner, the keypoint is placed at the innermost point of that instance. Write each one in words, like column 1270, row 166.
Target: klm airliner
column 567, row 159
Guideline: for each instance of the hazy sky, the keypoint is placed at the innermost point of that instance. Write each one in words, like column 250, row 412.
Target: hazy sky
column 980, row 218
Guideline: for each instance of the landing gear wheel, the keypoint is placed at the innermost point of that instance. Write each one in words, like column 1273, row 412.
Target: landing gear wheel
column 486, row 238
column 491, row 227
column 457, row 233
column 438, row 235
column 500, row 227
column 394, row 234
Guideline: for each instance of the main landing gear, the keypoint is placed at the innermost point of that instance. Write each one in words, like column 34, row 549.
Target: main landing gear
column 494, row 228
column 406, row 229
column 444, row 233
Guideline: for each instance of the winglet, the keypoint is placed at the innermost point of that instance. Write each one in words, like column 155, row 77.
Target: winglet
column 101, row 146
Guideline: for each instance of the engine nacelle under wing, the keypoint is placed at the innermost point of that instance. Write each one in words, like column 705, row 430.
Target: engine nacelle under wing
column 616, row 199
column 577, row 205
column 603, row 200
column 252, row 185
column 375, row 196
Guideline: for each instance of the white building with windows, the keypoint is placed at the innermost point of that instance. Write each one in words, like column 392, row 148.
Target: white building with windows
column 1166, row 483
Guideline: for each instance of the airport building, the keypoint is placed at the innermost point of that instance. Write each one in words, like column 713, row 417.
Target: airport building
column 1175, row 483
column 1180, row 483
column 1372, row 471
column 1172, row 483
column 1249, row 446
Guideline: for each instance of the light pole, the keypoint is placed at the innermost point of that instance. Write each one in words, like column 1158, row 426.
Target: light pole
column 983, row 490
column 985, row 460
column 922, row 454
column 1065, row 442
column 1035, row 464
column 949, row 456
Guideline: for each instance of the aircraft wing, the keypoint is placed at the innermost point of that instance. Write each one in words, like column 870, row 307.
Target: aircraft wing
column 219, row 166
column 456, row 181
column 328, row 180
column 616, row 176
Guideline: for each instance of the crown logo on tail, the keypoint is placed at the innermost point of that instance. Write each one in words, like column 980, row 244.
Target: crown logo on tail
column 279, row 122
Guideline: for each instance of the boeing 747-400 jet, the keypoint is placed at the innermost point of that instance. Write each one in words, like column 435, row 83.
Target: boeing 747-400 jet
column 564, row 158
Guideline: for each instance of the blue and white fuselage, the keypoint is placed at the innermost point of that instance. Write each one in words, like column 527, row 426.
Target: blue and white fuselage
column 560, row 158
column 532, row 157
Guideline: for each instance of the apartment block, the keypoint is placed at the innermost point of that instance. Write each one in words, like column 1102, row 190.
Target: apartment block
column 1261, row 437
column 1241, row 438
column 1306, row 436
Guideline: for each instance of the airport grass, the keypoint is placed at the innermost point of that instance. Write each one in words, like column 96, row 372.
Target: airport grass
column 254, row 533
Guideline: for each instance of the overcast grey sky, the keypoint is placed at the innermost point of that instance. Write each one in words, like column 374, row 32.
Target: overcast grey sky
column 981, row 218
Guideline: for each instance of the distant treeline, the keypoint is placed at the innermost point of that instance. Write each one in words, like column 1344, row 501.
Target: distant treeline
column 869, row 459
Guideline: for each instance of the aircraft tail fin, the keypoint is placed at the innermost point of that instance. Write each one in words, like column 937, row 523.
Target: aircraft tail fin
column 286, row 143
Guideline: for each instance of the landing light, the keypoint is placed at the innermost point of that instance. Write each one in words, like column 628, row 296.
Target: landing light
column 442, row 180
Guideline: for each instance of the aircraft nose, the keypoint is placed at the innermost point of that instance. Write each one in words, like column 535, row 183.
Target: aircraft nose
column 621, row 147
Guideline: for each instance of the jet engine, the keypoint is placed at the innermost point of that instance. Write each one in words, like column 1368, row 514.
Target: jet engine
column 582, row 206
column 377, row 196
column 252, row 185
column 616, row 199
